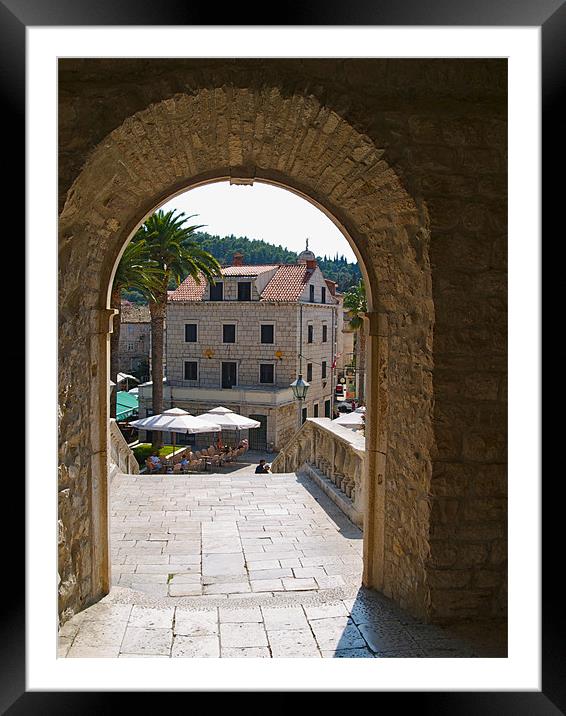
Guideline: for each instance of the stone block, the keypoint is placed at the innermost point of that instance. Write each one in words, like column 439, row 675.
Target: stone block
column 195, row 623
column 284, row 618
column 448, row 578
column 323, row 611
column 252, row 652
column 239, row 616
column 226, row 588
column 195, row 647
column 139, row 640
column 151, row 618
column 242, row 635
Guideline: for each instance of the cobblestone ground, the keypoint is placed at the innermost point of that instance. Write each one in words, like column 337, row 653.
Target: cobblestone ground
column 243, row 565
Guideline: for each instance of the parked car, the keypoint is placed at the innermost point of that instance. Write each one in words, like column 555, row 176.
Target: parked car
column 345, row 407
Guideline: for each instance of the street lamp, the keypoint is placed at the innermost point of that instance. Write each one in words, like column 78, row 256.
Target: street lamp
column 300, row 388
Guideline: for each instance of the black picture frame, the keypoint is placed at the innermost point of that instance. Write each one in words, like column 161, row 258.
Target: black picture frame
column 550, row 16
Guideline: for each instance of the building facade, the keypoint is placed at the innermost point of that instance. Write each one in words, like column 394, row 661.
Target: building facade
column 134, row 351
column 135, row 339
column 242, row 342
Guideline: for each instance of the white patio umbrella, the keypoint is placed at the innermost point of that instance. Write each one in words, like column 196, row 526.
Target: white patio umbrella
column 125, row 378
column 176, row 420
column 351, row 420
column 121, row 377
column 229, row 420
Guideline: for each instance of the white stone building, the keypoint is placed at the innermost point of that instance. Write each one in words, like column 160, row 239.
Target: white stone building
column 243, row 341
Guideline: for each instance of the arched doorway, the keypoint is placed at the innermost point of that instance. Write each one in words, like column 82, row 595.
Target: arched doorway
column 242, row 135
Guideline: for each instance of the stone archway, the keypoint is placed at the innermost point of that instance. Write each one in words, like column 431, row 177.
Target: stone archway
column 294, row 141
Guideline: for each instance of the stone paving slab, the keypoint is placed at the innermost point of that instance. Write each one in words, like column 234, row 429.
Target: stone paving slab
column 244, row 566
column 196, row 647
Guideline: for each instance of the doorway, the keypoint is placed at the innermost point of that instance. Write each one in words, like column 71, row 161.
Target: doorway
column 258, row 436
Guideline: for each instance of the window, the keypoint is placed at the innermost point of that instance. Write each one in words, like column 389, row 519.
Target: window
column 310, row 333
column 324, row 332
column 217, row 292
column 229, row 333
column 228, row 374
column 311, row 297
column 323, row 369
column 130, row 346
column 266, row 333
column 309, row 372
column 191, row 370
column 303, row 415
column 266, row 373
column 245, row 291
column 326, row 408
column 323, row 295
column 315, row 410
column 190, row 332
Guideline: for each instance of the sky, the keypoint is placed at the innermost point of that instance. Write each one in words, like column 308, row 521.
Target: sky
column 263, row 212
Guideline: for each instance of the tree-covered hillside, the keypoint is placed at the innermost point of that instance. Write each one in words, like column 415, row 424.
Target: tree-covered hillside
column 256, row 252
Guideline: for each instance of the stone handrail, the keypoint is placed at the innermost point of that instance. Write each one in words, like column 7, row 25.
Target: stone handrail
column 334, row 457
column 121, row 458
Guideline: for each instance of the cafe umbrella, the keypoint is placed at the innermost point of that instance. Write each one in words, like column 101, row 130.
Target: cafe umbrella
column 352, row 420
column 176, row 420
column 229, row 420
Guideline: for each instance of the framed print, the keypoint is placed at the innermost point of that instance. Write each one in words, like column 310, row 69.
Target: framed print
column 410, row 151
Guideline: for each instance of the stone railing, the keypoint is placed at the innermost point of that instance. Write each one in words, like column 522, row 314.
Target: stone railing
column 121, row 458
column 333, row 456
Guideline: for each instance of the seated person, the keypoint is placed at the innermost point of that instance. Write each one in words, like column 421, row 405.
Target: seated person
column 263, row 468
column 184, row 463
column 155, row 461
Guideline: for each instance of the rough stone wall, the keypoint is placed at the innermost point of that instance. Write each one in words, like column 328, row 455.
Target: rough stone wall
column 287, row 425
column 134, row 345
column 409, row 156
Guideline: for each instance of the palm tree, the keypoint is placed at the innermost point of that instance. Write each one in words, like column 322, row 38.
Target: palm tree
column 136, row 271
column 171, row 248
column 356, row 304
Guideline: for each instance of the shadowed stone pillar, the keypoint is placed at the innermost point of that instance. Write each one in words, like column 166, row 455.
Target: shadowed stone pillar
column 101, row 322
column 376, row 328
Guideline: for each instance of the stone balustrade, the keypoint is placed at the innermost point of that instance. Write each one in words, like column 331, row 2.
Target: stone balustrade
column 121, row 458
column 331, row 455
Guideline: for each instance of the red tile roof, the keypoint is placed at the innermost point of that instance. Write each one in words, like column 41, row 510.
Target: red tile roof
column 247, row 270
column 287, row 284
column 189, row 290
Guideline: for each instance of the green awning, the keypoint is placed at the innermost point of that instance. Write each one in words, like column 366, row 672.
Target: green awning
column 126, row 404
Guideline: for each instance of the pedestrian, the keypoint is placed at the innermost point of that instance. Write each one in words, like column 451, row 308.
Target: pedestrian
column 262, row 468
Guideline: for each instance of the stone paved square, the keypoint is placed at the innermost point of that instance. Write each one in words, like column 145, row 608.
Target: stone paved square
column 217, row 566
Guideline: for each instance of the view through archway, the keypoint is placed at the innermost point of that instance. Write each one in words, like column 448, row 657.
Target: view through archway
column 275, row 316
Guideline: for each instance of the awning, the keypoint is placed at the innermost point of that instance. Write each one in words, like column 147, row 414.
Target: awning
column 126, row 405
